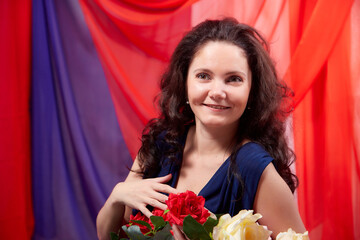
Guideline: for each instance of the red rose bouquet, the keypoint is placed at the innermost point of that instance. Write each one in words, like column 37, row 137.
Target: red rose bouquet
column 184, row 209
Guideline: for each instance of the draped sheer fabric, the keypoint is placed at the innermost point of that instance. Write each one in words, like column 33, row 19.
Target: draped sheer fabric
column 86, row 73
column 16, row 216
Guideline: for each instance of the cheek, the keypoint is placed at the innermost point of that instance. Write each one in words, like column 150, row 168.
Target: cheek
column 239, row 97
column 196, row 92
column 245, row 94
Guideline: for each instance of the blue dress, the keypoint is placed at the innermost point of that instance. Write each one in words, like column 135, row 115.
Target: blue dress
column 222, row 192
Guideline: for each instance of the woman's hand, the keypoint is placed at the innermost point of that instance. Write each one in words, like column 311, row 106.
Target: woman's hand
column 135, row 193
column 139, row 193
column 177, row 233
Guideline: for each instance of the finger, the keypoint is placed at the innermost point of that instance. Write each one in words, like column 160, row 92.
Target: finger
column 177, row 233
column 145, row 211
column 163, row 179
column 164, row 188
column 155, row 203
column 159, row 196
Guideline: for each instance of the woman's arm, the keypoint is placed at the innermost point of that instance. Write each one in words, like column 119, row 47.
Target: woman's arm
column 275, row 202
column 133, row 193
column 111, row 215
column 109, row 218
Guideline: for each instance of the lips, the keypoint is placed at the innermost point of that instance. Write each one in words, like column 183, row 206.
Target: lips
column 216, row 106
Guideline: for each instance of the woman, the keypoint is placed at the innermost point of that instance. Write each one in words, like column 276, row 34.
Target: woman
column 220, row 134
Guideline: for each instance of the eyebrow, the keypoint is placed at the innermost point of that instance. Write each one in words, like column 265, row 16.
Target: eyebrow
column 226, row 74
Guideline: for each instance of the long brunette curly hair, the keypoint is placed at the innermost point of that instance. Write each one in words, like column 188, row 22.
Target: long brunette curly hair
column 263, row 121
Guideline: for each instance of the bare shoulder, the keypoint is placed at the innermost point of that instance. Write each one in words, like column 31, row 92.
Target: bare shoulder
column 245, row 141
column 134, row 173
column 276, row 203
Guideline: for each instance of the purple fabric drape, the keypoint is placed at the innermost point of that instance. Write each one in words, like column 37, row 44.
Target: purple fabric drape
column 78, row 153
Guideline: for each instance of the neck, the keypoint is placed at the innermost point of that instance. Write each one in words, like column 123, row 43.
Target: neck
column 207, row 141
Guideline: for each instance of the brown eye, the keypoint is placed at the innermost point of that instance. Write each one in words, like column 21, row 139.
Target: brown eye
column 204, row 76
column 235, row 79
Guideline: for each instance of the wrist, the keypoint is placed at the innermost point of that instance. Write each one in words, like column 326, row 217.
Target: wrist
column 114, row 200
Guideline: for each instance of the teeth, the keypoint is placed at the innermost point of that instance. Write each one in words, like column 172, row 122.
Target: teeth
column 218, row 107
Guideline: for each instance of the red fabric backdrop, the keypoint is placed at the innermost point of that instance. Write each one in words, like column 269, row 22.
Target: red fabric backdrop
column 16, row 220
column 323, row 119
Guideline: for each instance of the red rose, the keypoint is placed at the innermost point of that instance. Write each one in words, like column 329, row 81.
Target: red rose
column 158, row 212
column 140, row 217
column 183, row 204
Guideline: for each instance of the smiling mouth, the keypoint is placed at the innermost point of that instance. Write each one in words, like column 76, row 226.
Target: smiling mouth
column 216, row 106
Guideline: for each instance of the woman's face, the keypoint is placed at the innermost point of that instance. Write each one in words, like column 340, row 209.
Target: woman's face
column 218, row 84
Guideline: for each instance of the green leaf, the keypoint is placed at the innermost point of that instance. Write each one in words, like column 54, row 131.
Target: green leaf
column 210, row 224
column 218, row 215
column 194, row 230
column 134, row 233
column 114, row 236
column 142, row 223
column 158, row 222
column 166, row 211
column 164, row 234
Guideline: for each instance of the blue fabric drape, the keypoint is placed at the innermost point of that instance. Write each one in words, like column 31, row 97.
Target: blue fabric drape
column 78, row 153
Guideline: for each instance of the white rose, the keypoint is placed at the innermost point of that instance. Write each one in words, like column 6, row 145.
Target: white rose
column 292, row 235
column 240, row 227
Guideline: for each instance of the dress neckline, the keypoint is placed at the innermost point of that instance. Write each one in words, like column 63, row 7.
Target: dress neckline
column 217, row 172
column 225, row 165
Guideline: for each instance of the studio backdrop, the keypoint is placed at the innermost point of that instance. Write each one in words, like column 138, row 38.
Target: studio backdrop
column 77, row 84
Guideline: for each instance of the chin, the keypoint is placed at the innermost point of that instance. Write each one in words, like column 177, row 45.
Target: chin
column 217, row 125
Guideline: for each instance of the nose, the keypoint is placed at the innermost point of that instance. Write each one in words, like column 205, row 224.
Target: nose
column 217, row 90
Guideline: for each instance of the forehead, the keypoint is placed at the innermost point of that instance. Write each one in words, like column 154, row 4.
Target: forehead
column 222, row 53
